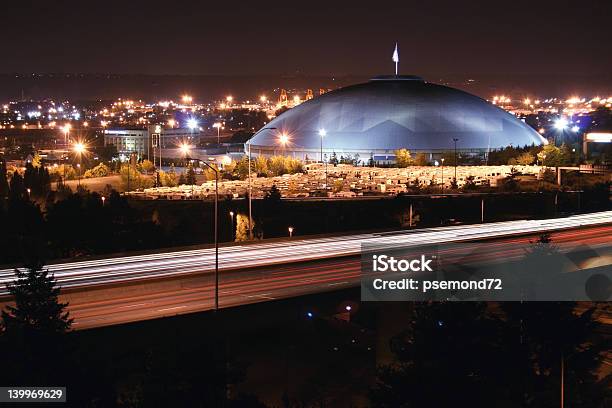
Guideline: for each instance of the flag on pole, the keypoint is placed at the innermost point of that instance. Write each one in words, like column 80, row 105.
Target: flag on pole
column 395, row 57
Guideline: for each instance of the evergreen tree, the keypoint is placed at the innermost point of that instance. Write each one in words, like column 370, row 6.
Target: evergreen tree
column 334, row 159
column 552, row 337
column 4, row 186
column 191, row 176
column 16, row 186
column 450, row 353
column 274, row 195
column 34, row 328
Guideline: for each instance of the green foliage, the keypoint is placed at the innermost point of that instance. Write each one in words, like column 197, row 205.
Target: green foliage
column 101, row 170
column 274, row 195
column 146, row 166
column 554, row 156
column 524, row 159
column 37, row 308
column 403, row 158
column 34, row 327
column 450, row 351
column 333, row 159
column 511, row 154
column 421, row 159
column 37, row 179
column 241, row 169
column 190, row 176
column 4, row 185
column 168, row 179
column 37, row 160
column 279, row 165
column 470, row 185
column 261, row 166
column 132, row 179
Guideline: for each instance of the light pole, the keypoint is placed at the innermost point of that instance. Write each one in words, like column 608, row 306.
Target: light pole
column 560, row 124
column 218, row 126
column 455, row 140
column 322, row 134
column 250, row 193
column 216, row 234
column 128, row 166
column 79, row 149
column 442, row 160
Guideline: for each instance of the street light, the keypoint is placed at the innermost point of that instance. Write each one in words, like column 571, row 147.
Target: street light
column 103, row 200
column 560, row 124
column 442, row 160
column 79, row 149
column 455, row 140
column 66, row 130
column 283, row 139
column 216, row 233
column 250, row 193
column 322, row 134
column 218, row 126
column 192, row 123
column 290, row 232
column 184, row 148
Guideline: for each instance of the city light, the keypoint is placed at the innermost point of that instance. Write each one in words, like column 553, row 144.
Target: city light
column 229, row 98
column 561, row 123
column 171, row 123
column 263, row 98
column 226, row 160
column 184, row 147
column 192, row 123
column 575, row 128
column 187, row 99
column 79, row 148
column 283, row 139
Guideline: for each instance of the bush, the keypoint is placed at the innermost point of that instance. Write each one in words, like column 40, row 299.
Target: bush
column 101, row 170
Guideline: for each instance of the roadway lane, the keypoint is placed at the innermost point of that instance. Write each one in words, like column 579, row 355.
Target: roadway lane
column 168, row 264
column 155, row 298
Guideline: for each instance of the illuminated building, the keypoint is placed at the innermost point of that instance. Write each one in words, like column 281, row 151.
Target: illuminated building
column 376, row 118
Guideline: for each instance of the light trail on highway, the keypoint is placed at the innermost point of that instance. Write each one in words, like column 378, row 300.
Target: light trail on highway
column 195, row 293
column 192, row 289
column 115, row 270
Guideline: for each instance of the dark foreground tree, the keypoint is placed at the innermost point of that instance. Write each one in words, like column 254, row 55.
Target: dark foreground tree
column 33, row 330
column 554, row 339
column 451, row 355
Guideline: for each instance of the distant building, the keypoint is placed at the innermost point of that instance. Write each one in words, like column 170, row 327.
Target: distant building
column 128, row 141
column 141, row 142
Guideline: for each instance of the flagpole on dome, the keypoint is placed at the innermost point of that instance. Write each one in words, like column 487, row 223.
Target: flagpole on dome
column 395, row 58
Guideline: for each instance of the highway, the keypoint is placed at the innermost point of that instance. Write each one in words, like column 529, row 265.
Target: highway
column 126, row 289
column 167, row 264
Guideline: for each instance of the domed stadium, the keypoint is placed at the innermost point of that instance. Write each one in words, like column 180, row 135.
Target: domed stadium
column 387, row 113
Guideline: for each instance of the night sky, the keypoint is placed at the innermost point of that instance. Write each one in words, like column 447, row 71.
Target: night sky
column 308, row 37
